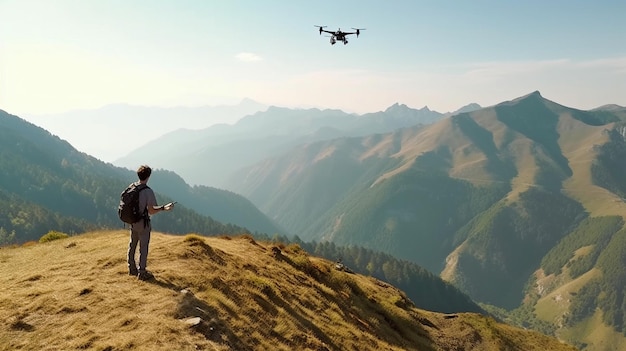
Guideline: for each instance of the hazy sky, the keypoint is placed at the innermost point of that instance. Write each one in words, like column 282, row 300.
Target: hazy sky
column 60, row 55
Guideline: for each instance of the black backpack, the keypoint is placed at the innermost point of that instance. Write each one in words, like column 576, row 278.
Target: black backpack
column 128, row 209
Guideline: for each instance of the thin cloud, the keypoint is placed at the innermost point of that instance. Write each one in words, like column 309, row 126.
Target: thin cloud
column 616, row 64
column 498, row 69
column 248, row 57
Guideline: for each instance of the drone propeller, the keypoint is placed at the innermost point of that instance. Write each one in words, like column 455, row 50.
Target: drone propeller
column 358, row 31
column 320, row 27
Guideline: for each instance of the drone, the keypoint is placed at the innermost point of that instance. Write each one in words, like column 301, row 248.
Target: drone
column 338, row 35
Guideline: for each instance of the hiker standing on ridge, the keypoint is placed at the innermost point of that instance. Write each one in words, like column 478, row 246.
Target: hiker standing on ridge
column 140, row 231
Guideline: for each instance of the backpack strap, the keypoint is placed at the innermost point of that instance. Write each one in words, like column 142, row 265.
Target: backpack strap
column 146, row 216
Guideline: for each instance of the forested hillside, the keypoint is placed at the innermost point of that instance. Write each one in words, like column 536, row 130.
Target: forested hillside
column 222, row 205
column 47, row 185
column 425, row 289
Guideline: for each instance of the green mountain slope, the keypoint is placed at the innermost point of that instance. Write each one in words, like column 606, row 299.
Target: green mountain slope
column 481, row 198
column 222, row 205
column 49, row 185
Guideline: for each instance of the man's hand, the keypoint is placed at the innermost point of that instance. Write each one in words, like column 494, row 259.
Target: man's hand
column 169, row 206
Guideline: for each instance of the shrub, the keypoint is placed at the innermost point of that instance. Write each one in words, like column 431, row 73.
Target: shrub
column 248, row 238
column 295, row 249
column 302, row 263
column 52, row 235
column 262, row 285
column 193, row 238
column 340, row 280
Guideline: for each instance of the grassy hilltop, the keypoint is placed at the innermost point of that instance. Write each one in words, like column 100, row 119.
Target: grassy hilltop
column 219, row 294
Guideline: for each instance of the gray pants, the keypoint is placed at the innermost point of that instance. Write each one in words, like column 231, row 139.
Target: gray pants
column 138, row 235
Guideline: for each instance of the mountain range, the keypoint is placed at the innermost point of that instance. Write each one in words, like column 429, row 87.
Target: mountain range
column 49, row 188
column 225, row 149
column 132, row 126
column 520, row 204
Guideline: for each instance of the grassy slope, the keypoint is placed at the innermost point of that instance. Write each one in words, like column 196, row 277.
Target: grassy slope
column 595, row 334
column 75, row 294
column 554, row 305
column 577, row 143
column 592, row 331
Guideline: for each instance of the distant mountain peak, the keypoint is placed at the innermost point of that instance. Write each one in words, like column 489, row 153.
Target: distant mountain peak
column 246, row 100
column 249, row 102
column 468, row 108
column 397, row 107
column 609, row 107
column 535, row 95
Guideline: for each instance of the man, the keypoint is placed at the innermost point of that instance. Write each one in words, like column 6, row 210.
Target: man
column 140, row 231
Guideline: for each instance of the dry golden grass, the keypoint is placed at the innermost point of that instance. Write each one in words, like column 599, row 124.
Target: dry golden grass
column 75, row 293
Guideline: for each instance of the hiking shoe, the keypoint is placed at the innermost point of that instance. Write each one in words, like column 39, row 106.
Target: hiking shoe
column 145, row 275
column 133, row 270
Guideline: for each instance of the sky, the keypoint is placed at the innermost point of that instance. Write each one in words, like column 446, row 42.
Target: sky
column 65, row 55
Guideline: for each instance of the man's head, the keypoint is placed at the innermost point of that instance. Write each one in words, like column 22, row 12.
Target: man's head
column 144, row 172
